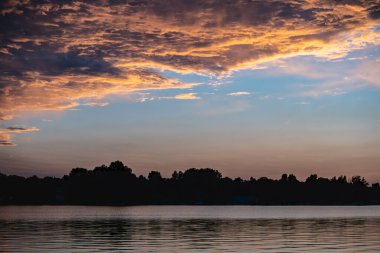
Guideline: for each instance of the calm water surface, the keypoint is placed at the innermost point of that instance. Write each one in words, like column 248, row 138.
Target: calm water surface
column 189, row 229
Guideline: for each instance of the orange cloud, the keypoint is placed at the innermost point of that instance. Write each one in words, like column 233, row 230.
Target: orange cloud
column 6, row 134
column 187, row 96
column 58, row 56
column 63, row 92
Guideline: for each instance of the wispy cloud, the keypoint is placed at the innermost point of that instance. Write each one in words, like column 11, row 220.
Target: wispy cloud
column 54, row 54
column 239, row 93
column 6, row 134
column 339, row 80
column 329, row 78
column 187, row 96
column 57, row 56
column 324, row 92
column 303, row 103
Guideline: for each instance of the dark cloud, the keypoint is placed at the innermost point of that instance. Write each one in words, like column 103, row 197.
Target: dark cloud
column 374, row 11
column 6, row 134
column 6, row 143
column 49, row 62
column 54, row 54
column 17, row 129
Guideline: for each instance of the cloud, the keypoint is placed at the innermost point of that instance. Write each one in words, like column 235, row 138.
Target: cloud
column 6, row 134
column 329, row 78
column 42, row 92
column 342, row 80
column 13, row 129
column 367, row 72
column 239, row 93
column 187, row 96
column 59, row 55
column 5, row 140
column 303, row 103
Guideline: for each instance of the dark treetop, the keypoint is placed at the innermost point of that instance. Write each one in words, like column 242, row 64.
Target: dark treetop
column 117, row 185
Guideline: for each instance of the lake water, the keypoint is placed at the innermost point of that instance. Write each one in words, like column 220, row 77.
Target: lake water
column 190, row 229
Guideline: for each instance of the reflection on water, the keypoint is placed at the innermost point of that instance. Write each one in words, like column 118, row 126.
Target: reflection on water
column 68, row 229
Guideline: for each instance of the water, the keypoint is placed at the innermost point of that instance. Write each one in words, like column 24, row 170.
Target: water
column 189, row 229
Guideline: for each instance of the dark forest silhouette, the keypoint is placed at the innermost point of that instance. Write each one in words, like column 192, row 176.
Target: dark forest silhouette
column 117, row 185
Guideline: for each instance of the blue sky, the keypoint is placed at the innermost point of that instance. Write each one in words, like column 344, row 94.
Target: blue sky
column 248, row 96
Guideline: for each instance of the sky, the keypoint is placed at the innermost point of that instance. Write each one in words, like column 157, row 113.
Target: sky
column 251, row 88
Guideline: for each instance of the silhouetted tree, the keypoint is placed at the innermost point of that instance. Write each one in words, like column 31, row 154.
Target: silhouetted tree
column 176, row 175
column 292, row 179
column 78, row 172
column 312, row 178
column 117, row 185
column 119, row 166
column 101, row 168
column 358, row 180
column 154, row 176
column 284, row 178
column 342, row 179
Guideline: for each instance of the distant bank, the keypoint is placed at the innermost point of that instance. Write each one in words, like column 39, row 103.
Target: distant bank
column 116, row 184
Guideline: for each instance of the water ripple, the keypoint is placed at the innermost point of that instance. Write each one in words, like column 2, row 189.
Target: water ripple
column 192, row 234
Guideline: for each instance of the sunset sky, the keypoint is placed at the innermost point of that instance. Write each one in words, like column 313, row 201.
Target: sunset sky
column 251, row 88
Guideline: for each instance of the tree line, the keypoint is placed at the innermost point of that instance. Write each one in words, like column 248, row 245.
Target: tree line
column 116, row 184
